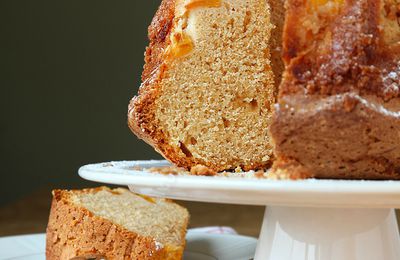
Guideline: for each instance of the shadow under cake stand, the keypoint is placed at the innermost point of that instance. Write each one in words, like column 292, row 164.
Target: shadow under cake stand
column 305, row 220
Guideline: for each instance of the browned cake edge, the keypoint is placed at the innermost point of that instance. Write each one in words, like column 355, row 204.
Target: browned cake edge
column 75, row 231
column 141, row 111
column 141, row 108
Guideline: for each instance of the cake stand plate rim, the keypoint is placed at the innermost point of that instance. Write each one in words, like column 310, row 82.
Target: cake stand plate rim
column 241, row 190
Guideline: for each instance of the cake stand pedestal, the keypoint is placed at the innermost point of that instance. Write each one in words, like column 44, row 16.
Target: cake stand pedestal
column 304, row 220
column 328, row 233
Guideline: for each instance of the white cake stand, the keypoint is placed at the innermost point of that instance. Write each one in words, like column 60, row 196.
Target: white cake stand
column 304, row 220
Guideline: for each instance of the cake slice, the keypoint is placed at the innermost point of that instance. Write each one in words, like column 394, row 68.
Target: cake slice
column 114, row 224
column 208, row 82
column 338, row 111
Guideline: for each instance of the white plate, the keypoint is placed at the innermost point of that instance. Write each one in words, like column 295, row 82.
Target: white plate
column 200, row 246
column 237, row 190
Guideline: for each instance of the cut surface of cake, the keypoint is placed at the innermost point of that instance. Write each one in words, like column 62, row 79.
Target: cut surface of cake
column 114, row 224
column 338, row 111
column 208, row 83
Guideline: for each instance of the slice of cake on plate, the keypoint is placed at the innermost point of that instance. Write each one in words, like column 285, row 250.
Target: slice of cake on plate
column 114, row 224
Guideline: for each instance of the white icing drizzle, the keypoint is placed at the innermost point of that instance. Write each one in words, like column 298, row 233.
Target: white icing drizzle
column 317, row 105
column 391, row 81
column 158, row 245
column 379, row 108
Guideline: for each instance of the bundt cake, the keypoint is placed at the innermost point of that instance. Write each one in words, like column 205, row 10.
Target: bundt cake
column 101, row 223
column 211, row 76
column 338, row 111
column 208, row 82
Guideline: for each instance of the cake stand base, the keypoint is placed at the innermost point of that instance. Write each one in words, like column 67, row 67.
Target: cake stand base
column 298, row 233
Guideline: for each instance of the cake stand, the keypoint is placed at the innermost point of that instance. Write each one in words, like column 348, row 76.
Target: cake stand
column 305, row 220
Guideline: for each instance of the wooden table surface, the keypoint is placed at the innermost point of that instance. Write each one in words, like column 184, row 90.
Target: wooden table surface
column 30, row 215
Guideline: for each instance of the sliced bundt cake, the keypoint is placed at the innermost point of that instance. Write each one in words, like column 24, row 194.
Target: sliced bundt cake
column 208, row 82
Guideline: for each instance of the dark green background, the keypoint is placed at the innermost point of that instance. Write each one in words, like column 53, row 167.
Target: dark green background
column 68, row 71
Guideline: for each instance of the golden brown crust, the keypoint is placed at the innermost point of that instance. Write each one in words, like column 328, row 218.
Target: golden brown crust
column 74, row 231
column 141, row 117
column 337, row 112
column 141, row 108
column 158, row 33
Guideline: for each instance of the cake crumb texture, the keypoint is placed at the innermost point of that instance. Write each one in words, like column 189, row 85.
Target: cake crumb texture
column 209, row 85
